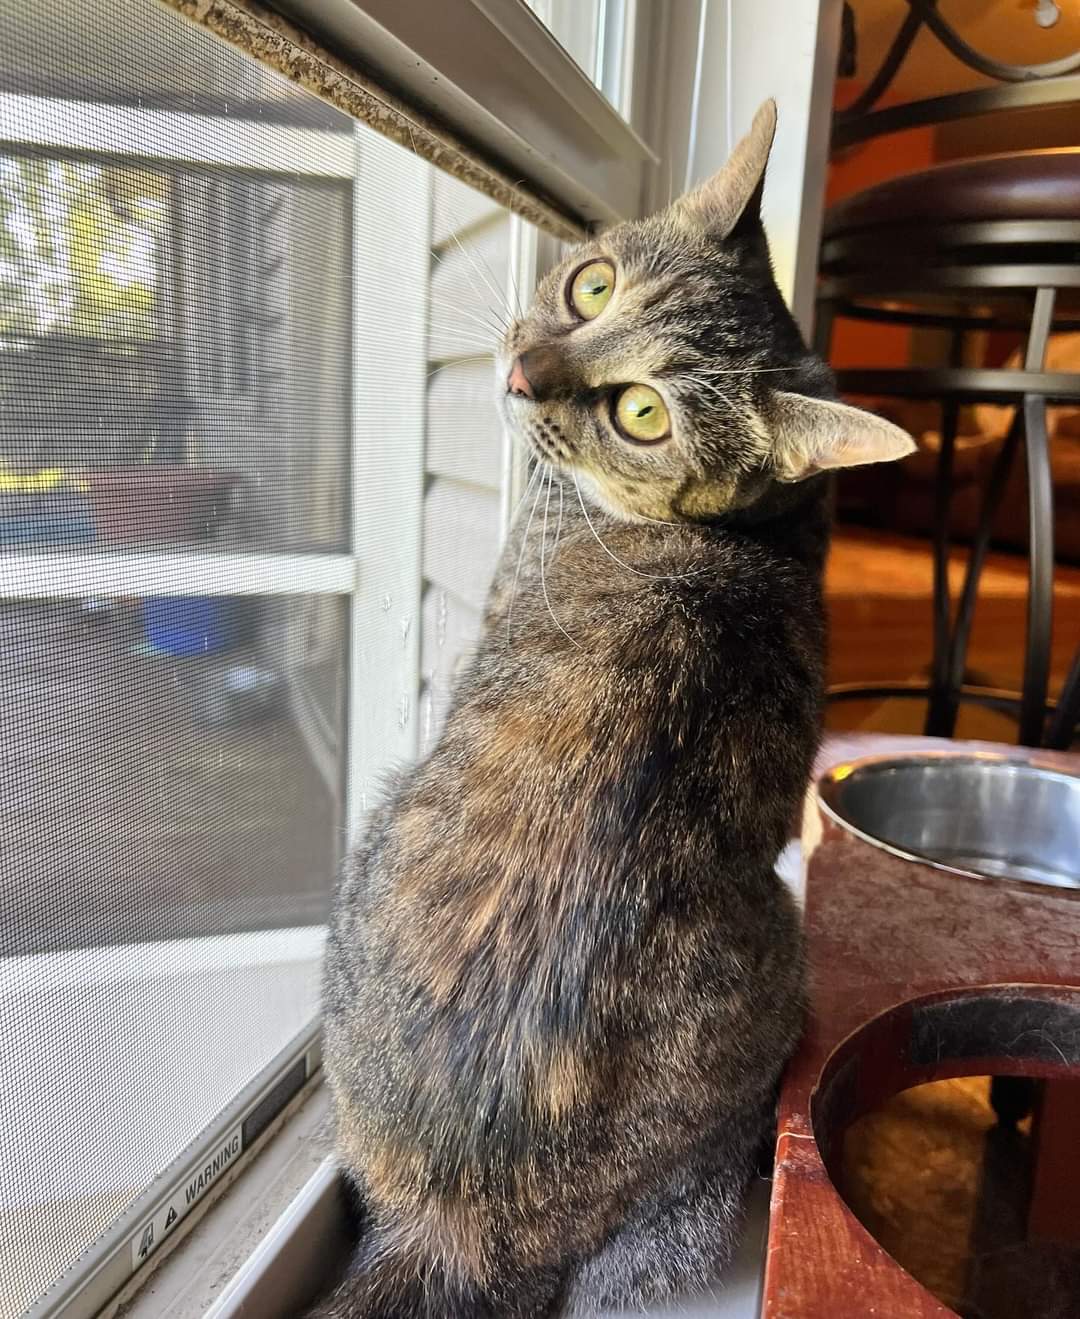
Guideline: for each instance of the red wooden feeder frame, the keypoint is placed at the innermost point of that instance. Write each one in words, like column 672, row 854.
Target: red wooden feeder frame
column 917, row 974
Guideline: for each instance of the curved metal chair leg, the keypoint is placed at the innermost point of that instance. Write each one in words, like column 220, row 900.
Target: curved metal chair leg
column 824, row 316
column 1012, row 1098
column 1040, row 613
column 937, row 723
column 1067, row 715
column 965, row 612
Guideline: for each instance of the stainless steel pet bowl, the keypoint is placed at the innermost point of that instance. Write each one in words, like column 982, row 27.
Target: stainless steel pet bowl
column 976, row 815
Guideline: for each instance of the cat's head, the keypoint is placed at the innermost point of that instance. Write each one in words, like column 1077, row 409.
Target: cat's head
column 659, row 364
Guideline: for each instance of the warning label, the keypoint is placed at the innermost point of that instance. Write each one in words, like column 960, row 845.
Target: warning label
column 153, row 1231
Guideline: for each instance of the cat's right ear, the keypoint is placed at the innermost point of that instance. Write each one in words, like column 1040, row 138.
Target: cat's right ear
column 812, row 435
column 732, row 197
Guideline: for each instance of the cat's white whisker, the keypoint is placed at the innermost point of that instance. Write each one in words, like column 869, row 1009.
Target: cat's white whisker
column 521, row 553
column 509, row 307
column 558, row 524
column 453, row 234
column 478, row 322
column 742, row 371
column 659, row 522
column 486, row 321
column 525, row 494
column 656, row 577
column 543, row 577
column 459, row 361
column 461, row 222
column 471, row 356
column 466, row 347
column 500, row 298
column 707, row 387
column 448, row 314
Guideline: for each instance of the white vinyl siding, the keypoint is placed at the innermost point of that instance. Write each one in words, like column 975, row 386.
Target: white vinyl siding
column 465, row 456
column 465, row 440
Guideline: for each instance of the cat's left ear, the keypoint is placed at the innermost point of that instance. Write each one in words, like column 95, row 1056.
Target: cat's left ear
column 732, row 197
column 811, row 435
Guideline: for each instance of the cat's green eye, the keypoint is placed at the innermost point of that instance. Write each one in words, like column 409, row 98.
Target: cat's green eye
column 641, row 415
column 591, row 288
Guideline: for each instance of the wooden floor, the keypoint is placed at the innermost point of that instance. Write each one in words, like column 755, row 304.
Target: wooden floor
column 879, row 588
column 947, row 1192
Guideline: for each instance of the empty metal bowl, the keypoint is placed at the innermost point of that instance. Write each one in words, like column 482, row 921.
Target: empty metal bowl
column 977, row 815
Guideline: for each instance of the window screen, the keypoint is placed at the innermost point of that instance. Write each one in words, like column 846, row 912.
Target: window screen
column 252, row 484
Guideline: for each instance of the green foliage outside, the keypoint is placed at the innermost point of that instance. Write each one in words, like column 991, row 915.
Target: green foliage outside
column 80, row 249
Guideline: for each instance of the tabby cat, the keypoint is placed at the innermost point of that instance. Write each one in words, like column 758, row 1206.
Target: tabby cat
column 562, row 976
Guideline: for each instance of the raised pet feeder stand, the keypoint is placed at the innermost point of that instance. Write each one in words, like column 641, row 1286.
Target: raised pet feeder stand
column 923, row 969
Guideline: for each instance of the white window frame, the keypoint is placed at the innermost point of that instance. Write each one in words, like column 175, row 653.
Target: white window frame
column 176, row 138
column 714, row 62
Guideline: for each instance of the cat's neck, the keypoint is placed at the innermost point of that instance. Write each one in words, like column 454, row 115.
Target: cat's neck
column 794, row 518
column 791, row 519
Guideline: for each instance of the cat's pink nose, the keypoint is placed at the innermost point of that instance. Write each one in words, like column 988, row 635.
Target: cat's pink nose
column 517, row 382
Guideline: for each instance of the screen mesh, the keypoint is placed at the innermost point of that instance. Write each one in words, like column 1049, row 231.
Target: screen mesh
column 175, row 321
column 252, row 484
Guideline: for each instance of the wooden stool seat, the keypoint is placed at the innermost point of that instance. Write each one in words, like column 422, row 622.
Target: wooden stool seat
column 1026, row 185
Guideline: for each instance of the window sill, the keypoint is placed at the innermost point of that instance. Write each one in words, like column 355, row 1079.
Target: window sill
column 195, row 1277
column 310, row 1240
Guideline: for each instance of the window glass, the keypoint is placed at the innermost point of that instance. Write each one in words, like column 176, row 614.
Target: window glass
column 252, row 484
column 594, row 34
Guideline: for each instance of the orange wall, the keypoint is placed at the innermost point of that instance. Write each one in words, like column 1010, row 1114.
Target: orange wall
column 862, row 343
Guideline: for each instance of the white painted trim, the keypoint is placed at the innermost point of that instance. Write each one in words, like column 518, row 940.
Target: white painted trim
column 389, row 424
column 622, row 21
column 665, row 65
column 44, row 576
column 695, row 95
column 188, row 1283
column 319, row 1199
column 103, row 1278
column 313, row 1233
column 786, row 49
column 94, row 127
column 713, row 63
